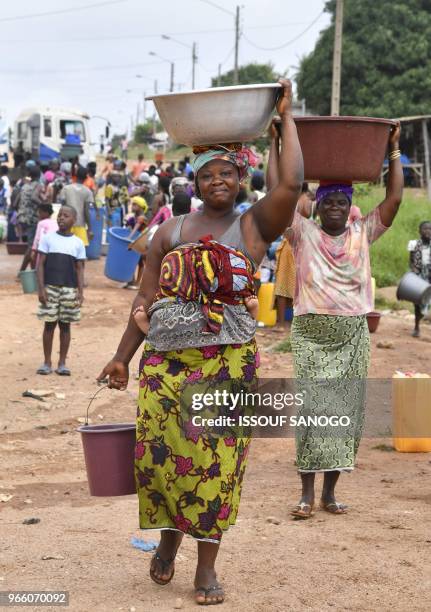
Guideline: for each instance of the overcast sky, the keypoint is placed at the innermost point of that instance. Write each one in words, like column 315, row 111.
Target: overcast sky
column 89, row 53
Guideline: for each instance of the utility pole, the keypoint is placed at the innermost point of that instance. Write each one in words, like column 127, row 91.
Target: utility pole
column 171, row 88
column 156, row 91
column 426, row 156
column 219, row 76
column 336, row 65
column 237, row 35
column 144, row 107
column 194, row 60
column 138, row 112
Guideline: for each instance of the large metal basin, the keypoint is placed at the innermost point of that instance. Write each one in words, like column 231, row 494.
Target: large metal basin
column 217, row 115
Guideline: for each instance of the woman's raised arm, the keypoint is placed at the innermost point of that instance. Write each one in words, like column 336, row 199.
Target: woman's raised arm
column 272, row 170
column 394, row 189
column 273, row 213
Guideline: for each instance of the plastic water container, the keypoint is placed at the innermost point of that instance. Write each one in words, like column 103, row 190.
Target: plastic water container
column 115, row 220
column 120, row 262
column 288, row 314
column 28, row 280
column 411, row 413
column 266, row 314
column 96, row 220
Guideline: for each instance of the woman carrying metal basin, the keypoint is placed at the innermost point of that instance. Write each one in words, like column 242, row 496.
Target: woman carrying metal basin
column 330, row 339
column 197, row 292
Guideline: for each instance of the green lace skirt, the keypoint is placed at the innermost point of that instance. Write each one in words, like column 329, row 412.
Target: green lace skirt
column 331, row 359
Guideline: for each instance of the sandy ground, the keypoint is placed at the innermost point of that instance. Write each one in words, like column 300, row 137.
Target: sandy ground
column 378, row 557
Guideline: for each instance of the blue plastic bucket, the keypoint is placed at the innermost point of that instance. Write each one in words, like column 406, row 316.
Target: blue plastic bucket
column 114, row 219
column 120, row 262
column 288, row 314
column 96, row 220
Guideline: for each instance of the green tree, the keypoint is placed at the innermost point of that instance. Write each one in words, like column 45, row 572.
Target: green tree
column 248, row 74
column 144, row 131
column 386, row 60
column 116, row 139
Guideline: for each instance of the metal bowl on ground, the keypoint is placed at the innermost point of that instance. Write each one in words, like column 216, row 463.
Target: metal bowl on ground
column 217, row 115
column 343, row 148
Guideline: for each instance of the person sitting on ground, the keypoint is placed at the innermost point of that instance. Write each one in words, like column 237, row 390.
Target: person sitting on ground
column 79, row 197
column 60, row 276
column 420, row 264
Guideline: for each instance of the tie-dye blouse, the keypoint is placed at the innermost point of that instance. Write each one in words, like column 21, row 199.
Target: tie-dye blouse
column 333, row 274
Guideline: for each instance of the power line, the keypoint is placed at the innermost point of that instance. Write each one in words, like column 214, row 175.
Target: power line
column 141, row 36
column 228, row 56
column 221, row 8
column 84, row 70
column 290, row 42
column 62, row 11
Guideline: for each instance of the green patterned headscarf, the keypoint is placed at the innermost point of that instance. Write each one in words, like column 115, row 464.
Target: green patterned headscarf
column 238, row 155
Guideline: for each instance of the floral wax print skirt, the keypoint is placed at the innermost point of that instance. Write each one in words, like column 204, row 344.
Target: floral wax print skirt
column 189, row 479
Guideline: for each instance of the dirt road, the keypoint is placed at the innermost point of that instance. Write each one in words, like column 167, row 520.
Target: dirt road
column 378, row 557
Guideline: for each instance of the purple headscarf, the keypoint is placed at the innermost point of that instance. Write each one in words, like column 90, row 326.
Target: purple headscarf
column 326, row 189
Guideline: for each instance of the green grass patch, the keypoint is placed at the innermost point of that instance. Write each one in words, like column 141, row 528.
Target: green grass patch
column 382, row 303
column 389, row 255
column 285, row 346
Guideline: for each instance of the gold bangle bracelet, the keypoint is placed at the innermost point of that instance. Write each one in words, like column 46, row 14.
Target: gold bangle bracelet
column 394, row 157
column 395, row 153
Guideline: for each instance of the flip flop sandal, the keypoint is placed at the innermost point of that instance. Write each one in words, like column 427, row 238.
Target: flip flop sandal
column 44, row 370
column 63, row 371
column 207, row 593
column 337, row 508
column 164, row 564
column 300, row 512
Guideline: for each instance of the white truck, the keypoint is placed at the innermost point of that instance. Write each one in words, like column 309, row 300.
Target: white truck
column 4, row 141
column 45, row 133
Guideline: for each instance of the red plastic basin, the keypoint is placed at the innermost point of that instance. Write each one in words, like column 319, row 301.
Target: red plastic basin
column 343, row 148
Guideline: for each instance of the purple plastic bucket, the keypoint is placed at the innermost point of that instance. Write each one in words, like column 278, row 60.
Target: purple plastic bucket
column 109, row 452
